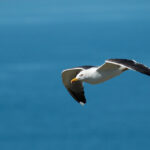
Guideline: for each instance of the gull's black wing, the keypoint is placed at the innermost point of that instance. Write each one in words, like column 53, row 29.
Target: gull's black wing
column 76, row 88
column 131, row 64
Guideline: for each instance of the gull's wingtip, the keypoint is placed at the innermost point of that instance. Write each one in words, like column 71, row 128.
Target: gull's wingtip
column 82, row 104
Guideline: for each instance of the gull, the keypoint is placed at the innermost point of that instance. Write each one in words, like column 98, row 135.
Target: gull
column 73, row 78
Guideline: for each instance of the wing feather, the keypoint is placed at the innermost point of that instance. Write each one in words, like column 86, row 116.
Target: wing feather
column 75, row 89
column 131, row 64
column 110, row 70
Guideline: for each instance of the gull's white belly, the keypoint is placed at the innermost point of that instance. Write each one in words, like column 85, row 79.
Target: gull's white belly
column 97, row 77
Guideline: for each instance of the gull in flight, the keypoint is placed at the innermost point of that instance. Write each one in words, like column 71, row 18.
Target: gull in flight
column 73, row 78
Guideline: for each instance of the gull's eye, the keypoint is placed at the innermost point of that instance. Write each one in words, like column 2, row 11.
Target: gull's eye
column 81, row 75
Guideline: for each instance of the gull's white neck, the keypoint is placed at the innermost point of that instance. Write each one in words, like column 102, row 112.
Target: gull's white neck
column 92, row 76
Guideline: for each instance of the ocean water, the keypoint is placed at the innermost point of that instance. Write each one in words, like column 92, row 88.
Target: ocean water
column 38, row 39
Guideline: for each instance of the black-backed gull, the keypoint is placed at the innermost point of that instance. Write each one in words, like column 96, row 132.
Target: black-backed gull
column 73, row 77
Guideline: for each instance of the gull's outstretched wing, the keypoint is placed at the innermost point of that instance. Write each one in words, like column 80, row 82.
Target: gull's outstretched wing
column 114, row 67
column 76, row 88
column 130, row 64
column 109, row 70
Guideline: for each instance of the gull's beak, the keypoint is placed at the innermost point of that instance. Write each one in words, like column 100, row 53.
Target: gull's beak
column 74, row 79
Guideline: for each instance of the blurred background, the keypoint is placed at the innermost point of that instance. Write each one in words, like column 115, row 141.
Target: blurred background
column 40, row 38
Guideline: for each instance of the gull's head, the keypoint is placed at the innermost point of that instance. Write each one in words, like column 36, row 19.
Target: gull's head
column 80, row 77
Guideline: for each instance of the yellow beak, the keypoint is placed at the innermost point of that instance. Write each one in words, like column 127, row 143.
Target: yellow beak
column 74, row 79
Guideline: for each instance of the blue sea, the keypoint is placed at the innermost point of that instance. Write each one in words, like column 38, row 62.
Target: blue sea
column 39, row 39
